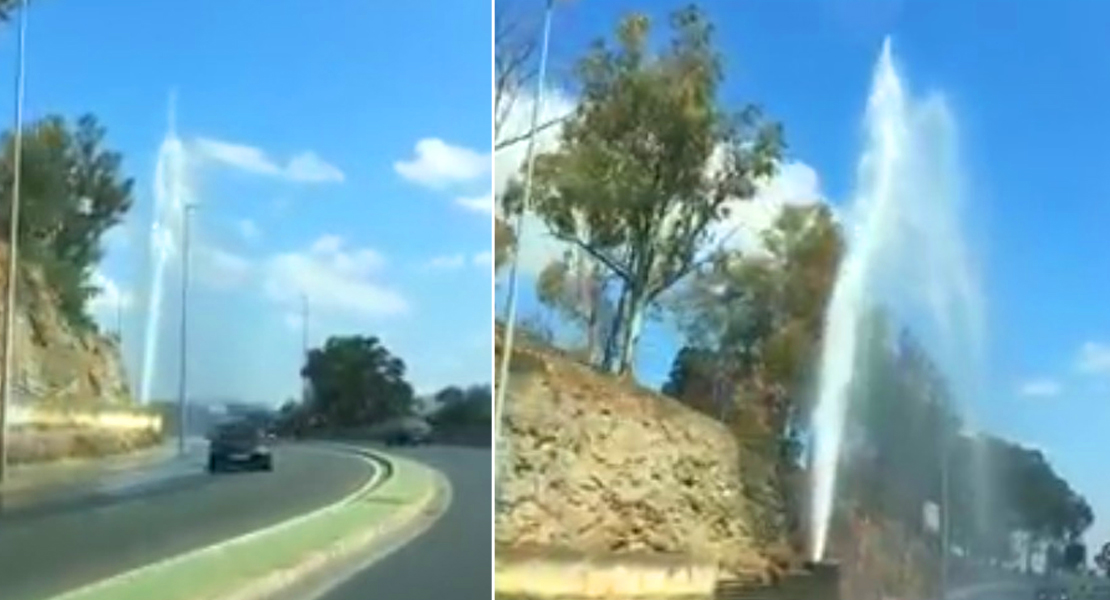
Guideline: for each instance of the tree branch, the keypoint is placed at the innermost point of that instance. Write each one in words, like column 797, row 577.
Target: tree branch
column 499, row 146
column 605, row 259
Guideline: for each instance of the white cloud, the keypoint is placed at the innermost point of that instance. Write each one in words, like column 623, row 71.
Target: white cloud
column 305, row 167
column 482, row 259
column 1039, row 388
column 247, row 158
column 448, row 261
column 508, row 161
column 538, row 247
column 334, row 277
column 795, row 184
column 308, row 166
column 221, row 269
column 438, row 164
column 459, row 260
column 110, row 297
column 1093, row 359
column 248, row 229
column 479, row 204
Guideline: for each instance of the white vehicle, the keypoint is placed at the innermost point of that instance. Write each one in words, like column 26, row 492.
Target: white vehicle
column 409, row 432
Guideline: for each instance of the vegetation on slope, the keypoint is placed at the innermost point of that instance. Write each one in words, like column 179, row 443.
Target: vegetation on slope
column 72, row 192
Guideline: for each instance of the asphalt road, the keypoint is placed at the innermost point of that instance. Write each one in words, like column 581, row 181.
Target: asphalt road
column 1001, row 591
column 450, row 560
column 66, row 538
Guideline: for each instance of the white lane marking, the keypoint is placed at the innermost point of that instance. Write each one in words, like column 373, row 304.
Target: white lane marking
column 223, row 546
column 385, row 550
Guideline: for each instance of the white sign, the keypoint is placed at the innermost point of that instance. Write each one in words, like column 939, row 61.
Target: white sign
column 931, row 516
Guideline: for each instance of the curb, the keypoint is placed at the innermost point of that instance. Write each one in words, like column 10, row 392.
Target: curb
column 538, row 577
column 330, row 566
column 26, row 476
column 270, row 581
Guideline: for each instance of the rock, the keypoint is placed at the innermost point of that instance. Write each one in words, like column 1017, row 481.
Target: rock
column 598, row 465
column 56, row 365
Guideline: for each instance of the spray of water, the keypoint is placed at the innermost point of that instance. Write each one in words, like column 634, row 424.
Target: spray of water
column 905, row 251
column 171, row 192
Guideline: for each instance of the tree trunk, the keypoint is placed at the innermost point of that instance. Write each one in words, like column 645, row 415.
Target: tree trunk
column 594, row 299
column 631, row 333
column 610, row 355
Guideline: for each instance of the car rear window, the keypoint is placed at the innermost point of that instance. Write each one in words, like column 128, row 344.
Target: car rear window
column 237, row 432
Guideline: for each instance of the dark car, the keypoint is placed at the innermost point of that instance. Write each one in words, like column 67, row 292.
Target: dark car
column 239, row 445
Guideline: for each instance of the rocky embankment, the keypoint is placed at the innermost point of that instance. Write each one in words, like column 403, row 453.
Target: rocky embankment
column 59, row 370
column 597, row 465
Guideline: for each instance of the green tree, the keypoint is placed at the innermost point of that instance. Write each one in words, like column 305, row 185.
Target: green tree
column 761, row 314
column 504, row 243
column 649, row 161
column 1075, row 556
column 906, row 430
column 356, row 381
column 72, row 192
column 8, row 9
column 1102, row 559
column 449, row 395
column 459, row 407
column 576, row 287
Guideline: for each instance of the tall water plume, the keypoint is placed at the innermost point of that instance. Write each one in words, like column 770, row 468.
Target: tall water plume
column 171, row 193
column 905, row 252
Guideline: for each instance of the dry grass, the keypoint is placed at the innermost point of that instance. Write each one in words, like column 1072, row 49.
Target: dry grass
column 42, row 446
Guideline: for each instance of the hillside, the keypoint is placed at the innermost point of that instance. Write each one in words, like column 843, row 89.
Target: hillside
column 59, row 371
column 603, row 466
column 56, row 364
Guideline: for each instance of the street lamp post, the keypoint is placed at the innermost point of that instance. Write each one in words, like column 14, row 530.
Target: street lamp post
column 182, row 383
column 502, row 380
column 13, row 246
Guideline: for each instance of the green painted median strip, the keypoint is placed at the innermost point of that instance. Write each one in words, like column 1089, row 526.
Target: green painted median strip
column 221, row 570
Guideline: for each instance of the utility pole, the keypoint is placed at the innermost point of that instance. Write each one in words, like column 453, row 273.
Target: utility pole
column 182, row 383
column 13, row 247
column 501, row 383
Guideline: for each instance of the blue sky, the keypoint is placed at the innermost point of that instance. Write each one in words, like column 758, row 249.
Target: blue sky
column 1027, row 83
column 337, row 149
